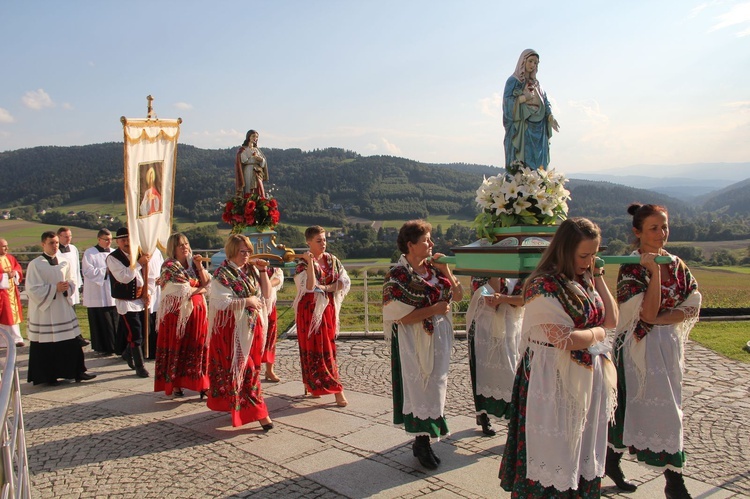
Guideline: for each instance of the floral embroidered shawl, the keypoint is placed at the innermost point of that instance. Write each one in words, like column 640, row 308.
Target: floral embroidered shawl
column 176, row 282
column 241, row 285
column 335, row 273
column 404, row 291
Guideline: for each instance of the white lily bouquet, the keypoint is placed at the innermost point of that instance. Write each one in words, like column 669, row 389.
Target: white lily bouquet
column 521, row 196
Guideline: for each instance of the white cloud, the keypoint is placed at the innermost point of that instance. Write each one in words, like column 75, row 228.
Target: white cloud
column 697, row 10
column 220, row 138
column 183, row 106
column 5, row 116
column 37, row 99
column 371, row 147
column 391, row 148
column 738, row 14
column 743, row 105
column 492, row 106
column 591, row 110
column 67, row 106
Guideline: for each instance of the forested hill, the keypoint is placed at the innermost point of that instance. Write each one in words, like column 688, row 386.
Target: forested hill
column 307, row 184
column 325, row 186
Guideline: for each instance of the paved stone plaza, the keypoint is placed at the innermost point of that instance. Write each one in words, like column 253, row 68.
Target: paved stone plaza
column 114, row 437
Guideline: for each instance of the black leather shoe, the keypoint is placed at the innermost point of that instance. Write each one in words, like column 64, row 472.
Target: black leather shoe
column 128, row 357
column 484, row 421
column 53, row 382
column 83, row 341
column 423, row 452
column 85, row 377
column 613, row 470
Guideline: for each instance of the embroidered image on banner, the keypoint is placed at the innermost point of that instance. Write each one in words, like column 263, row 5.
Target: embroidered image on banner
column 150, row 187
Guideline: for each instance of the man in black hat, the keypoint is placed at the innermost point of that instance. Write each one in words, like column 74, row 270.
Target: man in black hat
column 131, row 299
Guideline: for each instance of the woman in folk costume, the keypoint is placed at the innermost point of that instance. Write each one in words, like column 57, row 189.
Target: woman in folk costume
column 181, row 348
column 322, row 283
column 494, row 317
column 237, row 317
column 417, row 294
column 276, row 280
column 564, row 393
column 659, row 305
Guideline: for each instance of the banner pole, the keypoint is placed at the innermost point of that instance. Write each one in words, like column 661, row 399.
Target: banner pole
column 146, row 314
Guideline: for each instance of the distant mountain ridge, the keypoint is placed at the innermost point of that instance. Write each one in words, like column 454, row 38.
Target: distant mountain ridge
column 728, row 172
column 682, row 181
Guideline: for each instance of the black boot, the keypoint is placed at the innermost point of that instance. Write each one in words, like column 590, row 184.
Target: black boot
column 423, row 452
column 613, row 470
column 128, row 357
column 434, row 456
column 675, row 488
column 484, row 421
column 137, row 354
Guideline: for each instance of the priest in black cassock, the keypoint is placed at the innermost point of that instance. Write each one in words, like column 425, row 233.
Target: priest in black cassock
column 52, row 323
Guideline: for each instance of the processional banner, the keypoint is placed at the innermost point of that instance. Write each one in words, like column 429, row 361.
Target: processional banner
column 150, row 160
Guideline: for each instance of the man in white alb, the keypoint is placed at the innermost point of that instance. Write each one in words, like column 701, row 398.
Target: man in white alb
column 69, row 253
column 97, row 295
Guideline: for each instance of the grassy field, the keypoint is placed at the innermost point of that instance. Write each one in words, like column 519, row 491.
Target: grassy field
column 94, row 206
column 737, row 248
column 444, row 220
column 723, row 286
column 21, row 233
column 725, row 338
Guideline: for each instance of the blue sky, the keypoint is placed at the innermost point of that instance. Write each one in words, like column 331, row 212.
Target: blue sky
column 657, row 82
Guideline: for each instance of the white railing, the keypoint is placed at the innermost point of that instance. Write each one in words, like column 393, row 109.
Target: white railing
column 14, row 472
column 367, row 310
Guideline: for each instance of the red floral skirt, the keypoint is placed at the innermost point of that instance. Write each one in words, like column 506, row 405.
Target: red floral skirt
column 182, row 363
column 269, row 354
column 317, row 351
column 246, row 403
